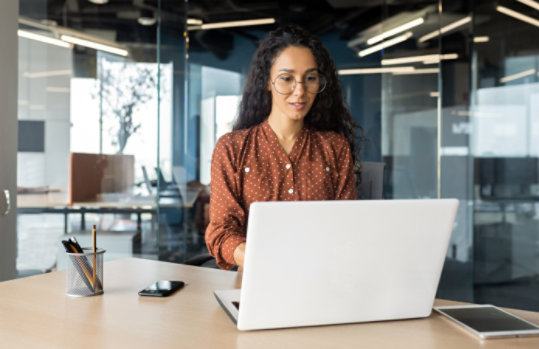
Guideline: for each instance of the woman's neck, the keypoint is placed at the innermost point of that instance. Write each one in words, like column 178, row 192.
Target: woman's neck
column 286, row 130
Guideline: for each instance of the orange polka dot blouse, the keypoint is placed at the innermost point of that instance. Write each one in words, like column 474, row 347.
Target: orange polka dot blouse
column 251, row 165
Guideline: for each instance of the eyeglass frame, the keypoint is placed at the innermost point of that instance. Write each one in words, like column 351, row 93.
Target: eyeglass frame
column 323, row 78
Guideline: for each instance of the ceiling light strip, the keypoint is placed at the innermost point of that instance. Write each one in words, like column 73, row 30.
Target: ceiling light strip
column 58, row 89
column 445, row 29
column 42, row 38
column 194, row 21
column 95, row 45
column 385, row 44
column 362, row 71
column 419, row 71
column 530, row 3
column 411, row 59
column 478, row 39
column 219, row 25
column 59, row 31
column 426, row 59
column 444, row 57
column 517, row 15
column 47, row 74
column 517, row 75
column 396, row 30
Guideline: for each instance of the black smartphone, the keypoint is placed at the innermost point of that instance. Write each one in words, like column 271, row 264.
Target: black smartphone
column 162, row 288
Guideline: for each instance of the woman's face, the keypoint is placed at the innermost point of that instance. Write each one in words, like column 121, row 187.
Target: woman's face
column 293, row 63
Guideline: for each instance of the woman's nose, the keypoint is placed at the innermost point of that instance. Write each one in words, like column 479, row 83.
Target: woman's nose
column 299, row 89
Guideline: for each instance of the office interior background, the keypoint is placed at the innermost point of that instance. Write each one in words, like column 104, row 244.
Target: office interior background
column 447, row 93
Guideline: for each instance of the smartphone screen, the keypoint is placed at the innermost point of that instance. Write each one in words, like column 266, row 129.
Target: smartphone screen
column 162, row 288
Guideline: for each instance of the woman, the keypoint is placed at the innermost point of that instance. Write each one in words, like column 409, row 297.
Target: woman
column 294, row 139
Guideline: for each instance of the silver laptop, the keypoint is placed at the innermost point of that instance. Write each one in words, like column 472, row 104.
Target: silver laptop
column 310, row 263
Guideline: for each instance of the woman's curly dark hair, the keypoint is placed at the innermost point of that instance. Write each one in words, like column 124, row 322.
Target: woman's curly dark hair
column 328, row 112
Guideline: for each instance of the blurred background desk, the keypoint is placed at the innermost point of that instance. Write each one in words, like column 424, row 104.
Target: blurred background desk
column 57, row 202
column 150, row 218
column 127, row 225
column 192, row 318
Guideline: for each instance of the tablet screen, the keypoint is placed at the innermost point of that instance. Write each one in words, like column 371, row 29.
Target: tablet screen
column 488, row 319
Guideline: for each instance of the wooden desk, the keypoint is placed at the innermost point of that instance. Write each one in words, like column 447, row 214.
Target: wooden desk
column 35, row 313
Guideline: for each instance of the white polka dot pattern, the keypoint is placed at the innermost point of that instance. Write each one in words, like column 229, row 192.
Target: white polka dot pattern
column 251, row 165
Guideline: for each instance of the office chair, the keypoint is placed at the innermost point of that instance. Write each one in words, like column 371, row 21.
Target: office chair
column 372, row 180
column 371, row 187
column 172, row 219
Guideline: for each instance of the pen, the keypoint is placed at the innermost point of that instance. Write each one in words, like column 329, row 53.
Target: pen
column 94, row 250
column 78, row 263
column 74, row 247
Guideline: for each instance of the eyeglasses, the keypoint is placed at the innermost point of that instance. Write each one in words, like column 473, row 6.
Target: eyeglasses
column 312, row 83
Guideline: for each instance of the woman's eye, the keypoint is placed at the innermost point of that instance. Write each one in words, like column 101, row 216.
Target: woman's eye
column 286, row 78
column 311, row 78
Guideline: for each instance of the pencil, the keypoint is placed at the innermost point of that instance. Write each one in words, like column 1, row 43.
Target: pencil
column 94, row 250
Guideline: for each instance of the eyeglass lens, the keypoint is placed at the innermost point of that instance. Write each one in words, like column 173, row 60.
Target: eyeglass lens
column 286, row 83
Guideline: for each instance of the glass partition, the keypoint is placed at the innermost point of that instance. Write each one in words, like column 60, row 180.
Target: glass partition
column 88, row 129
column 504, row 144
column 425, row 84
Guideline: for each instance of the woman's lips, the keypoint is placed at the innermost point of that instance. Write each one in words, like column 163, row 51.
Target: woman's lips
column 298, row 106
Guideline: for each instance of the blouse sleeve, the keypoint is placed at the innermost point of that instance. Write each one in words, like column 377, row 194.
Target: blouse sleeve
column 346, row 186
column 226, row 229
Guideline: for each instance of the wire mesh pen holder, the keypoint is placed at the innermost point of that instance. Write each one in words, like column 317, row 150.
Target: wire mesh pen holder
column 82, row 279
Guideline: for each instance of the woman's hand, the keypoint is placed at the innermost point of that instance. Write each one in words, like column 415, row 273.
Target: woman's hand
column 239, row 254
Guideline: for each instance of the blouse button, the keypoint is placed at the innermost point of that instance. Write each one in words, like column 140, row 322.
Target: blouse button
column 247, row 169
column 288, row 166
column 327, row 169
column 290, row 191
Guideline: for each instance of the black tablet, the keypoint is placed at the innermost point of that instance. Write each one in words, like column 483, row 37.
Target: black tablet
column 488, row 321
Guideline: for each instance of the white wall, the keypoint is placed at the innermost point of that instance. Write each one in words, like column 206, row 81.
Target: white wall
column 44, row 89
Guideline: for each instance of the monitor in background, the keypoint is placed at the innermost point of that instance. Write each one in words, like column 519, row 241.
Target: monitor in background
column 31, row 136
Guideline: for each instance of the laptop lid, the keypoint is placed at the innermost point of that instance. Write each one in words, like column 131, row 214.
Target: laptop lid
column 331, row 262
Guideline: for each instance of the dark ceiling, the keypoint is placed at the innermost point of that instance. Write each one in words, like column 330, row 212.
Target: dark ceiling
column 120, row 16
column 117, row 19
